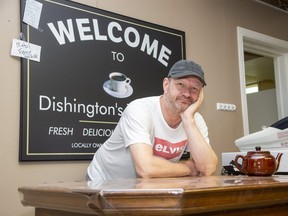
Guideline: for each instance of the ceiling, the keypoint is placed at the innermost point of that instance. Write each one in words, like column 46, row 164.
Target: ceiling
column 276, row 4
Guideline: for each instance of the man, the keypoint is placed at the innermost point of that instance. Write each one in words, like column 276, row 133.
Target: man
column 153, row 133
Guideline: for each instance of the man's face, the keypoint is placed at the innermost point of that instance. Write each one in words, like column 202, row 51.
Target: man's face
column 181, row 93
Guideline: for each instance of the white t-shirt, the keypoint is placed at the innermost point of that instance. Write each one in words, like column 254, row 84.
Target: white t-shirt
column 141, row 122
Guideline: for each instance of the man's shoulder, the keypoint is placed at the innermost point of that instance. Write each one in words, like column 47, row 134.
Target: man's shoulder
column 198, row 117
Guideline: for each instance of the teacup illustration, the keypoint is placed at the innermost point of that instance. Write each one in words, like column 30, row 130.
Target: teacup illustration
column 119, row 81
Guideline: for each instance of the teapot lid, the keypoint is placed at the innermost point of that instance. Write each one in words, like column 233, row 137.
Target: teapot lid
column 258, row 150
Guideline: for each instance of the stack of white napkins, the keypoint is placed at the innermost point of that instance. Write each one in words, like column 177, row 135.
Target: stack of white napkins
column 270, row 139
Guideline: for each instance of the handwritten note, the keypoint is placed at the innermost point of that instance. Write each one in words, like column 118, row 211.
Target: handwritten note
column 26, row 50
column 32, row 13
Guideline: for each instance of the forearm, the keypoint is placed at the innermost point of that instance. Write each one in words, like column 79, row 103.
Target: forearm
column 149, row 166
column 159, row 167
column 203, row 155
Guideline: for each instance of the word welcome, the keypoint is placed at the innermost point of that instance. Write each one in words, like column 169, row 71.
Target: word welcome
column 90, row 30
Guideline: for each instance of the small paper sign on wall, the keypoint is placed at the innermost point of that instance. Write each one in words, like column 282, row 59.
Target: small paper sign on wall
column 32, row 13
column 25, row 50
column 69, row 107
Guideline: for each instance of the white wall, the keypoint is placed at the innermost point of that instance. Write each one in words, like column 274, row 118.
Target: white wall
column 262, row 109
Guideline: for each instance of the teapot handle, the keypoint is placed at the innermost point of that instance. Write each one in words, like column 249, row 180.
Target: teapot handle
column 239, row 167
column 278, row 159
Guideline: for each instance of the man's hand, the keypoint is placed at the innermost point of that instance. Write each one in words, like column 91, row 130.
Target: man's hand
column 190, row 163
column 194, row 107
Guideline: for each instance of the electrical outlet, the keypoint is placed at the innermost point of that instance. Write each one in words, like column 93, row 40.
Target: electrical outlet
column 226, row 107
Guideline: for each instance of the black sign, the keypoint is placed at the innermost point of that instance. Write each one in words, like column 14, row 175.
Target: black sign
column 69, row 102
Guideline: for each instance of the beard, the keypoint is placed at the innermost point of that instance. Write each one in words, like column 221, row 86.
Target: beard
column 178, row 104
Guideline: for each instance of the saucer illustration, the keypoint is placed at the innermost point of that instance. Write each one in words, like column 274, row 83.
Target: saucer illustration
column 123, row 94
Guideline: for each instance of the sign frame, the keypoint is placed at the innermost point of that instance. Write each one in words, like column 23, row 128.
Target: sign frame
column 79, row 44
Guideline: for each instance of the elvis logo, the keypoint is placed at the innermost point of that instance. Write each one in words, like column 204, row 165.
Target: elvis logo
column 165, row 149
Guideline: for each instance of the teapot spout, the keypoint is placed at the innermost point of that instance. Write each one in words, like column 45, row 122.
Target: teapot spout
column 278, row 159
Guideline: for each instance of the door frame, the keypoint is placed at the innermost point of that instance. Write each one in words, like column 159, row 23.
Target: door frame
column 265, row 45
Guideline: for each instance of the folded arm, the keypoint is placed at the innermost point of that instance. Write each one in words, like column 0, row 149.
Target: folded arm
column 149, row 166
column 204, row 158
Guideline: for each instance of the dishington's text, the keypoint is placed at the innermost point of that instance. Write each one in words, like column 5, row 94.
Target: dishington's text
column 66, row 105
